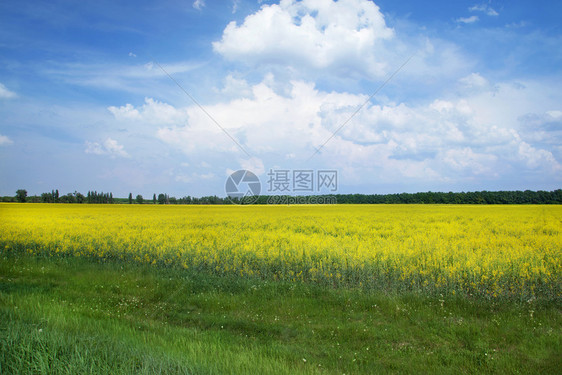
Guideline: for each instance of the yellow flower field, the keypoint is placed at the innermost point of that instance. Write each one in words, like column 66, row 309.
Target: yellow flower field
column 491, row 251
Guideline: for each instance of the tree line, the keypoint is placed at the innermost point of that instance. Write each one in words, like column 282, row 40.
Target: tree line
column 477, row 197
column 94, row 197
column 54, row 197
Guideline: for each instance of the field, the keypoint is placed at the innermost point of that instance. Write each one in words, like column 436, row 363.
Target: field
column 282, row 289
column 493, row 251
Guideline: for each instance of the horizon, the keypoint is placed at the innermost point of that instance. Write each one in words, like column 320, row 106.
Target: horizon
column 174, row 97
column 149, row 198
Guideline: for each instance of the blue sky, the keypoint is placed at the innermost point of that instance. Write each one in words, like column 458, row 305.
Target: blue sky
column 85, row 106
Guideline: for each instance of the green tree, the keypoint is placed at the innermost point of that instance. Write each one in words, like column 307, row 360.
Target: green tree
column 154, row 198
column 162, row 198
column 21, row 194
column 34, row 199
column 68, row 198
column 130, row 198
column 140, row 199
column 79, row 197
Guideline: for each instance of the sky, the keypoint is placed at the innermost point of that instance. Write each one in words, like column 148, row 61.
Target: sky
column 173, row 96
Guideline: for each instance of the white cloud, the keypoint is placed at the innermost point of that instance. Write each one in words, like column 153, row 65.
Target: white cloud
column 542, row 127
column 266, row 122
column 199, row 4
column 474, row 80
column 109, row 147
column 344, row 35
column 517, row 25
column 4, row 140
column 484, row 131
column 194, row 177
column 5, row 93
column 151, row 112
column 536, row 158
column 466, row 159
column 335, row 42
column 253, row 164
column 235, row 4
column 554, row 114
column 467, row 20
column 484, row 8
column 137, row 78
column 234, row 87
column 126, row 112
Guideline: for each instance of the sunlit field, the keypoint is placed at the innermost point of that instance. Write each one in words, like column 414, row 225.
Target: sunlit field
column 492, row 252
column 346, row 289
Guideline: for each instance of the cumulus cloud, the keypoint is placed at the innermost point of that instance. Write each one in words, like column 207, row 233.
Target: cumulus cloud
column 151, row 112
column 474, row 80
column 4, row 140
column 467, row 20
column 109, row 147
column 341, row 34
column 445, row 138
column 266, row 122
column 535, row 158
column 234, row 87
column 555, row 114
column 199, row 4
column 542, row 134
column 5, row 93
column 484, row 130
column 253, row 164
column 484, row 8
column 543, row 126
column 465, row 159
column 126, row 112
column 481, row 8
column 336, row 41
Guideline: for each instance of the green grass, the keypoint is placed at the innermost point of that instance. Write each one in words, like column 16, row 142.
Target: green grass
column 72, row 315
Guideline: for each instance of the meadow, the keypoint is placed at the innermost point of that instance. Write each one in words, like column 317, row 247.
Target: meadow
column 280, row 289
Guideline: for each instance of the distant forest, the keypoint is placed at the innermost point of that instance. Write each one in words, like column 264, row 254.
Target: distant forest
column 477, row 197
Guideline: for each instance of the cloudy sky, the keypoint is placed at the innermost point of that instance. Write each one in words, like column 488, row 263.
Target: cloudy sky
column 172, row 96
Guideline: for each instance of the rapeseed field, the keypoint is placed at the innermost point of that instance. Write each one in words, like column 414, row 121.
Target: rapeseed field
column 494, row 252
